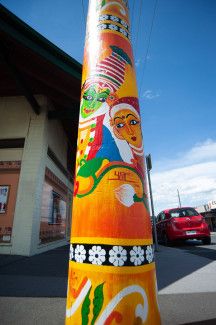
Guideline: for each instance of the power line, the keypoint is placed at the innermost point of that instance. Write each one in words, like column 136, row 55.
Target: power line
column 83, row 17
column 83, row 10
column 136, row 39
column 132, row 14
column 149, row 42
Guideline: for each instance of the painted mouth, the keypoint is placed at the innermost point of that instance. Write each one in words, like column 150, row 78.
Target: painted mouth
column 133, row 138
column 87, row 111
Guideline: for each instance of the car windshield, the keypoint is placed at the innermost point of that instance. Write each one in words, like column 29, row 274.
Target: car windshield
column 184, row 212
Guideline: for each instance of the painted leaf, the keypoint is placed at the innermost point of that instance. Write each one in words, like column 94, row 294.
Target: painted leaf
column 97, row 302
column 103, row 3
column 86, row 309
column 90, row 167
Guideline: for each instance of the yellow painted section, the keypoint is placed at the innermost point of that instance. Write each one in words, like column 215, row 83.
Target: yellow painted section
column 112, row 276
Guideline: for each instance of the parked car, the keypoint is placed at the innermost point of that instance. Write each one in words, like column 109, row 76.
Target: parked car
column 181, row 224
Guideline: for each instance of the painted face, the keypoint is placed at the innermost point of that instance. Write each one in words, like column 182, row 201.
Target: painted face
column 92, row 100
column 127, row 125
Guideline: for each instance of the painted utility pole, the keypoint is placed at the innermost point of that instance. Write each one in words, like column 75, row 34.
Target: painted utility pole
column 111, row 270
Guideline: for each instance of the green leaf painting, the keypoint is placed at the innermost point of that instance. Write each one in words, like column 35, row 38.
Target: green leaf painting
column 86, row 309
column 90, row 167
column 97, row 302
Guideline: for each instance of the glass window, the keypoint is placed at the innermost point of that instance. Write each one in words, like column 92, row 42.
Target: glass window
column 159, row 217
column 183, row 212
column 8, row 193
column 4, row 191
column 53, row 215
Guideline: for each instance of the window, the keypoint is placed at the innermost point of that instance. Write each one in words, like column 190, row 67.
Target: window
column 53, row 215
column 159, row 217
column 4, row 192
column 184, row 212
column 58, row 210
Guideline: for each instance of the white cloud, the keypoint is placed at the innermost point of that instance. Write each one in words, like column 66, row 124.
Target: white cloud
column 201, row 152
column 149, row 94
column 137, row 62
column 193, row 174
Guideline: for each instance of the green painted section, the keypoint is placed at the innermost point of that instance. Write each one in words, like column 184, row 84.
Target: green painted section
column 86, row 309
column 97, row 302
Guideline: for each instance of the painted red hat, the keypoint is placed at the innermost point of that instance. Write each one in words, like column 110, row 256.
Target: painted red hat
column 131, row 103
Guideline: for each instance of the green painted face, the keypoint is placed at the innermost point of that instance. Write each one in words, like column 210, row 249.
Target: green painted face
column 92, row 100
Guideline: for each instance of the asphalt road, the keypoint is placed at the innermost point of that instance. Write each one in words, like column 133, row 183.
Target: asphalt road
column 186, row 276
column 196, row 247
column 33, row 289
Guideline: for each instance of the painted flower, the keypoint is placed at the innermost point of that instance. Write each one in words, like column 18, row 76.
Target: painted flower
column 113, row 27
column 118, row 255
column 125, row 194
column 124, row 23
column 80, row 253
column 97, row 255
column 123, row 31
column 71, row 254
column 103, row 17
column 137, row 255
column 149, row 254
column 114, row 18
column 102, row 26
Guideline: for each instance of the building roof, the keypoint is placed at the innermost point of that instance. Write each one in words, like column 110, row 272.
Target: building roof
column 30, row 64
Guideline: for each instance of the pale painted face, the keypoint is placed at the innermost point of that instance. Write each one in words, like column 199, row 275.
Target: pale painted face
column 127, row 126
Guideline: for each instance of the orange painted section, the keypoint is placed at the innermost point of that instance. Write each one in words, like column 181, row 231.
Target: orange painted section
column 111, row 270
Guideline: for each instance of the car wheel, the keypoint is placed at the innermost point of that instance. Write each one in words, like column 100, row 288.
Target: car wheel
column 206, row 241
column 166, row 240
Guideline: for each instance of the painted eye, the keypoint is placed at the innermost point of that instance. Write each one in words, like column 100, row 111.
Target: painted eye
column 101, row 99
column 88, row 97
column 134, row 122
column 120, row 125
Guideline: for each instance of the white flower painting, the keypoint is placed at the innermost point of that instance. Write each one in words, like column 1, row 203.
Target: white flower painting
column 97, row 255
column 118, row 255
column 80, row 254
column 125, row 194
column 137, row 255
column 149, row 254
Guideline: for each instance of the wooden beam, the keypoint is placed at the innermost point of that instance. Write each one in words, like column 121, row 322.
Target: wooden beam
column 12, row 143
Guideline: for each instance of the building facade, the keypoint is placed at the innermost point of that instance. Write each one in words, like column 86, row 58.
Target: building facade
column 39, row 108
column 208, row 211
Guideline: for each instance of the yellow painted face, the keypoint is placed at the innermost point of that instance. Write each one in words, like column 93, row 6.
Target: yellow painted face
column 127, row 126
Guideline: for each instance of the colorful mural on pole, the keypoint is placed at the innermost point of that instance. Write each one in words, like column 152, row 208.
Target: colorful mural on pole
column 111, row 269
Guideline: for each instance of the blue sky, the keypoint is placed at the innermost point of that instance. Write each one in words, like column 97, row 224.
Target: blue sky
column 177, row 84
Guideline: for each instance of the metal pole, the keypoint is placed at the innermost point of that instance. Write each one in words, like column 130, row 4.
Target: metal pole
column 152, row 208
column 179, row 198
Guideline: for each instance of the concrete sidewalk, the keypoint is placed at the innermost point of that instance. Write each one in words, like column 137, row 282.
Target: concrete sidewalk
column 33, row 289
column 187, row 286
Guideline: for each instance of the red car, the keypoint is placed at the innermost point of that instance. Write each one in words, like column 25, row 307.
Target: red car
column 181, row 224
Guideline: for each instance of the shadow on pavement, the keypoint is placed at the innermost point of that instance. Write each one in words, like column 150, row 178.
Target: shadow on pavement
column 42, row 275
column 176, row 262
column 45, row 275
column 204, row 322
column 193, row 248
